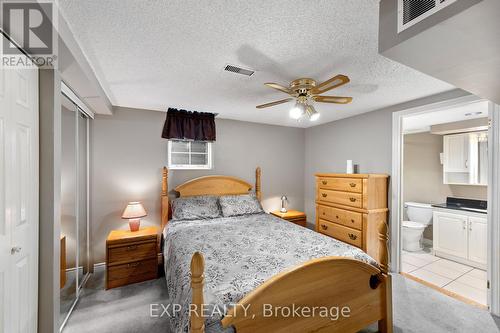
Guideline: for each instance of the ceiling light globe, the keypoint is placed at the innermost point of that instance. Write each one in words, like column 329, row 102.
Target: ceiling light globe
column 312, row 113
column 297, row 111
column 314, row 117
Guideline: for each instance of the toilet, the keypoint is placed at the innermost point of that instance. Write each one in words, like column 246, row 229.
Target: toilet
column 420, row 216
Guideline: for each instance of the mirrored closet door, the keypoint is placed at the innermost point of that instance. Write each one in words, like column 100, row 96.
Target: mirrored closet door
column 75, row 265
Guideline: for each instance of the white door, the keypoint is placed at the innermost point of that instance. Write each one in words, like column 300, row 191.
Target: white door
column 478, row 238
column 456, row 153
column 450, row 234
column 18, row 200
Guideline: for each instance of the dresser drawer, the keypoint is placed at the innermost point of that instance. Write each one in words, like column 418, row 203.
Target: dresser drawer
column 131, row 252
column 345, row 234
column 342, row 198
column 341, row 216
column 341, row 184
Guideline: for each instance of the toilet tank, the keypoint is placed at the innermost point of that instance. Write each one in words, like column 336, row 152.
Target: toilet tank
column 419, row 212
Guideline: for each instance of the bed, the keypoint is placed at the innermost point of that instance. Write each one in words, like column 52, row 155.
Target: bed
column 258, row 273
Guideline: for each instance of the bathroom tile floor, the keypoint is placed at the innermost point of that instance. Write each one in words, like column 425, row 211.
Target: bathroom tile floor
column 466, row 281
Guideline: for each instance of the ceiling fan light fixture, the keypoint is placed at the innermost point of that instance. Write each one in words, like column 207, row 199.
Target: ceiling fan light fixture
column 312, row 113
column 307, row 91
column 298, row 111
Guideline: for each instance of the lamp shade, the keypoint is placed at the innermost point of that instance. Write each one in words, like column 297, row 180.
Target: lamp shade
column 134, row 210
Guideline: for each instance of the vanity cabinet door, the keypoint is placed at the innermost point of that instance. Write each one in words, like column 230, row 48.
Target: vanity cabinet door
column 478, row 239
column 450, row 234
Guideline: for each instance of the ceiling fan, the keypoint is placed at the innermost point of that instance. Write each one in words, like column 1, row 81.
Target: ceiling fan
column 306, row 91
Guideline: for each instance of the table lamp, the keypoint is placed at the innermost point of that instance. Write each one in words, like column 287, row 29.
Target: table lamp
column 133, row 212
column 284, row 199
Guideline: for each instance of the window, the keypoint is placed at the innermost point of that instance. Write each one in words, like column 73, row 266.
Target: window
column 184, row 154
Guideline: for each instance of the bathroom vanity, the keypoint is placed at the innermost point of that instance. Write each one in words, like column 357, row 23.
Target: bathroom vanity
column 460, row 231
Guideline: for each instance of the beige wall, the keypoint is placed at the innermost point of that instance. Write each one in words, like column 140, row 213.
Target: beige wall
column 127, row 154
column 423, row 174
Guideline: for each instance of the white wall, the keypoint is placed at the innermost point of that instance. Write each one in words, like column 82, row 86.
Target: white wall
column 127, row 154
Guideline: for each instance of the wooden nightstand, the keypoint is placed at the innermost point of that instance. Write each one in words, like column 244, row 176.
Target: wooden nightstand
column 131, row 256
column 293, row 216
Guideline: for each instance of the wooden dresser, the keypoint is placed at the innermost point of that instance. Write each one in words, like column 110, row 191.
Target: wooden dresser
column 131, row 256
column 348, row 207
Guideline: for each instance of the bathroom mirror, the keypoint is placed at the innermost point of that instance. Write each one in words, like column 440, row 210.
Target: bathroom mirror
column 465, row 158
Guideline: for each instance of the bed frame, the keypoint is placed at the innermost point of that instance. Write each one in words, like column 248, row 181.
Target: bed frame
column 333, row 282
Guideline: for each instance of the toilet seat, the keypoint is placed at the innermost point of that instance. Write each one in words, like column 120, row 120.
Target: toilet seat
column 413, row 225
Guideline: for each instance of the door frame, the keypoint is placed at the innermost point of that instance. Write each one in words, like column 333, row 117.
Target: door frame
column 493, row 246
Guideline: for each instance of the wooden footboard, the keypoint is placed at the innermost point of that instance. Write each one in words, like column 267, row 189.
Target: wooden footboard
column 330, row 294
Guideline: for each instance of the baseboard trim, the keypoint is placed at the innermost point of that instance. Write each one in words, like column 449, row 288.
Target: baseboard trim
column 444, row 291
column 99, row 264
column 72, row 269
column 427, row 242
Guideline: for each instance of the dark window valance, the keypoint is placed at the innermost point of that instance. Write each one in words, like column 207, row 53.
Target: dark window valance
column 189, row 125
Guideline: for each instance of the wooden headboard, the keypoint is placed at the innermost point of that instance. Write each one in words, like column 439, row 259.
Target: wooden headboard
column 207, row 185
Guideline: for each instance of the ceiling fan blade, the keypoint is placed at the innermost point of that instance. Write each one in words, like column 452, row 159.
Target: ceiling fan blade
column 279, row 87
column 262, row 106
column 334, row 82
column 332, row 99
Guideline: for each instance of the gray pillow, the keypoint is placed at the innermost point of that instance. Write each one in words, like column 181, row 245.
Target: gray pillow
column 233, row 205
column 195, row 207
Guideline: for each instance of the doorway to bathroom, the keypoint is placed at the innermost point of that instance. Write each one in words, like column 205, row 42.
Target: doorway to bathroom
column 440, row 232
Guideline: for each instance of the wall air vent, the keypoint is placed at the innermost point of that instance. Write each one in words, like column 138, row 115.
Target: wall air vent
column 411, row 12
column 238, row 70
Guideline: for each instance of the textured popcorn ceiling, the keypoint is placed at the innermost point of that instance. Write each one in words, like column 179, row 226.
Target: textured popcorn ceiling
column 159, row 54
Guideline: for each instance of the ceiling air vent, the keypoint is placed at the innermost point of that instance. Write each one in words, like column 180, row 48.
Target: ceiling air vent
column 411, row 12
column 238, row 70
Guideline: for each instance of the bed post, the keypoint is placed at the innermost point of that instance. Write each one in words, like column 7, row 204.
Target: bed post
column 383, row 250
column 164, row 198
column 258, row 192
column 385, row 325
column 197, row 320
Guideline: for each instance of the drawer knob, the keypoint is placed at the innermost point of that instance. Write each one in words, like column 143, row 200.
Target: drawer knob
column 134, row 264
column 324, row 195
column 324, row 213
column 352, row 236
column 336, row 216
column 324, row 182
column 131, row 247
column 324, row 227
column 352, row 184
column 352, row 221
column 352, row 199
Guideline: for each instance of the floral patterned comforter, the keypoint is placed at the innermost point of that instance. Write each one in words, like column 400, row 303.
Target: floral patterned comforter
column 241, row 252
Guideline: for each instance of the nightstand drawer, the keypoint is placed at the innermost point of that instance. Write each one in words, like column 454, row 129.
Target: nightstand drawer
column 299, row 221
column 341, row 184
column 345, row 234
column 132, row 251
column 342, row 198
column 133, row 272
column 341, row 216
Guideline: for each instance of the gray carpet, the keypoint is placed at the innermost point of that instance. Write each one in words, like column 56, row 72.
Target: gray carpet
column 126, row 310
